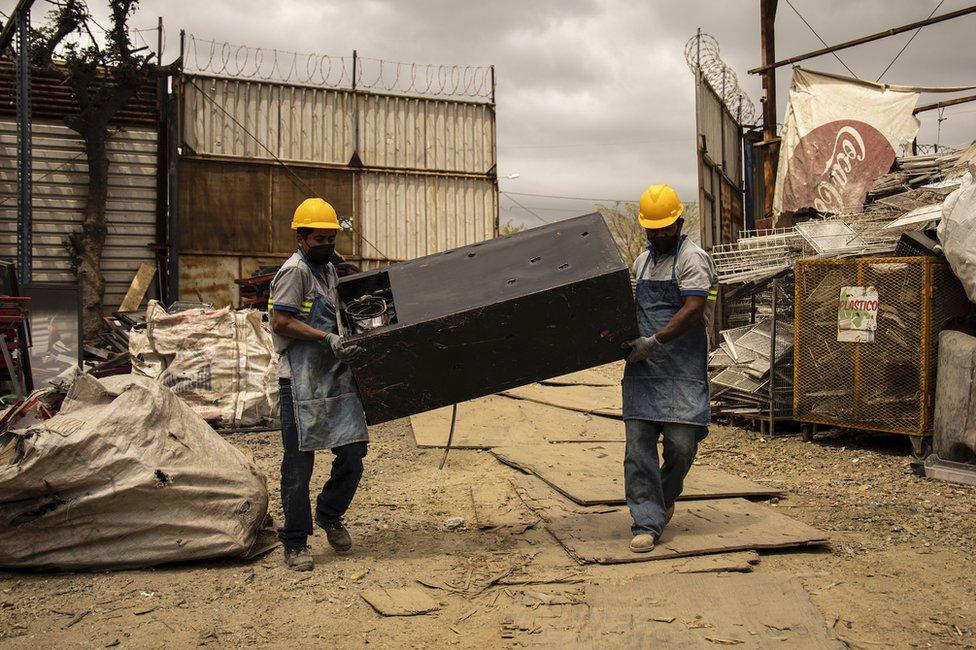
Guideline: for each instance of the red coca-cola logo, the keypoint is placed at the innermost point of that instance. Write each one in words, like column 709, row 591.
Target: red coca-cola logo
column 834, row 166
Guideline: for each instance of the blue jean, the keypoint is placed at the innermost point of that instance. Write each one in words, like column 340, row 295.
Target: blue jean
column 296, row 474
column 651, row 489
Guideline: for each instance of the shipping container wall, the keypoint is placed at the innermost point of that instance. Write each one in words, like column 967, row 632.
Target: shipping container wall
column 409, row 215
column 60, row 186
column 315, row 125
column 427, row 134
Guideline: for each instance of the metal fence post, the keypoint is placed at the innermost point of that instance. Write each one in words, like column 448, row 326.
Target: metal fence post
column 24, row 191
column 772, row 364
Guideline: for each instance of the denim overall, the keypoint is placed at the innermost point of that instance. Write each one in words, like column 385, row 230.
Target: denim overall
column 672, row 384
column 328, row 410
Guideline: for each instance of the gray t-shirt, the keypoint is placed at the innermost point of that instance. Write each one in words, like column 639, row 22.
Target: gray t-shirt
column 292, row 291
column 693, row 269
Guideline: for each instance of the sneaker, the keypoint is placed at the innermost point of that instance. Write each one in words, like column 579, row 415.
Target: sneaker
column 336, row 533
column 642, row 543
column 670, row 513
column 299, row 559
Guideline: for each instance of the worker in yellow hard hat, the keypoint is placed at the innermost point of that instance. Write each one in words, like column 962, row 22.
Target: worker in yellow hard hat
column 320, row 404
column 665, row 386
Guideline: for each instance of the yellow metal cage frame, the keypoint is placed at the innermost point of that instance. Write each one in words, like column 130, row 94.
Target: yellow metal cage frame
column 933, row 273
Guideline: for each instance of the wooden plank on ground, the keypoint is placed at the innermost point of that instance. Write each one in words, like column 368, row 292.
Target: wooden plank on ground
column 758, row 610
column 597, row 400
column 140, row 285
column 497, row 420
column 698, row 528
column 591, row 474
column 400, row 601
column 590, row 377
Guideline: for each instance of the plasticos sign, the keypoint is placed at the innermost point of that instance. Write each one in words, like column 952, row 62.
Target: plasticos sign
column 857, row 314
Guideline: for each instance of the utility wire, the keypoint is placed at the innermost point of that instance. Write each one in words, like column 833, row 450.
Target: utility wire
column 905, row 47
column 513, row 200
column 571, row 198
column 825, row 44
column 296, row 178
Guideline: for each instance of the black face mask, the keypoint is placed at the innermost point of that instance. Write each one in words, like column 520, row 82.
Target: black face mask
column 320, row 254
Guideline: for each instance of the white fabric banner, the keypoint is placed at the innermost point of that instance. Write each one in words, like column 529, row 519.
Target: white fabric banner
column 840, row 135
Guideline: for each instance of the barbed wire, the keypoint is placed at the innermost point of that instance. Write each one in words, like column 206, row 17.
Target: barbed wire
column 326, row 71
column 702, row 52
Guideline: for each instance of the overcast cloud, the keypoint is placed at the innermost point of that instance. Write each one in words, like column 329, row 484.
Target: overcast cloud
column 594, row 97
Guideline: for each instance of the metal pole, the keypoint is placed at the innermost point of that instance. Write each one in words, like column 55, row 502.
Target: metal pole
column 355, row 59
column 772, row 364
column 767, row 29
column 24, row 192
column 159, row 41
column 773, row 64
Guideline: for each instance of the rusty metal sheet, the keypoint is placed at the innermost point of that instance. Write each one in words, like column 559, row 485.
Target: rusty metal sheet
column 209, row 278
column 337, row 186
column 224, row 206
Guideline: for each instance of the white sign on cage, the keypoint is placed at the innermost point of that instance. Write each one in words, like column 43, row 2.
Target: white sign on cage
column 857, row 314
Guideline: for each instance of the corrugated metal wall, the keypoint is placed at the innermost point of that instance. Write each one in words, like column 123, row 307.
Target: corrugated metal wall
column 409, row 215
column 60, row 190
column 425, row 177
column 719, row 144
column 318, row 126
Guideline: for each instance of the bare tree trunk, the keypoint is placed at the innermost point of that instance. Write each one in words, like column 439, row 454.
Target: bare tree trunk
column 90, row 241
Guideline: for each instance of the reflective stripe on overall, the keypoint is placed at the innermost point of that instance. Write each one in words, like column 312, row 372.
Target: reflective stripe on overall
column 328, row 410
column 672, row 384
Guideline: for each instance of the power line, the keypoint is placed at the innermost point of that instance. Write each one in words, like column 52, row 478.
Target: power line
column 905, row 47
column 571, row 198
column 513, row 200
column 818, row 36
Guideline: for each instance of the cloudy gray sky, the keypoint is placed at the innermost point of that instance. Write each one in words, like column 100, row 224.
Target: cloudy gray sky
column 594, row 97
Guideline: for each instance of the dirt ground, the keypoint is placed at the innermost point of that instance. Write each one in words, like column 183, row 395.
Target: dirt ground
column 897, row 573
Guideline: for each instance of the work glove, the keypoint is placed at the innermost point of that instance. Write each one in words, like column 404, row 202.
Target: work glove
column 342, row 352
column 641, row 348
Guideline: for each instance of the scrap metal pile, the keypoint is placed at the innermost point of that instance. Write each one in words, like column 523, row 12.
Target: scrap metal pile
column 740, row 370
column 900, row 208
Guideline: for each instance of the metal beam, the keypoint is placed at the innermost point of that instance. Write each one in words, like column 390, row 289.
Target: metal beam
column 945, row 103
column 864, row 39
column 8, row 30
column 767, row 24
column 24, row 188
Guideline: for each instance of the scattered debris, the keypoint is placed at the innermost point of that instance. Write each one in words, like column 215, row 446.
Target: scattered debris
column 455, row 523
column 402, row 601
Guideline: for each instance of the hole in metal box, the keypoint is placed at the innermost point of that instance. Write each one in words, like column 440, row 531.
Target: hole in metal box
column 563, row 267
column 535, row 260
column 367, row 303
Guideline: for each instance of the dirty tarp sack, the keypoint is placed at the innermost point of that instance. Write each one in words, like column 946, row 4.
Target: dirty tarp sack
column 957, row 232
column 126, row 476
column 221, row 362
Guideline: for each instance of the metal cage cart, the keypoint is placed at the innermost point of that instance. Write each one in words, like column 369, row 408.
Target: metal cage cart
column 886, row 385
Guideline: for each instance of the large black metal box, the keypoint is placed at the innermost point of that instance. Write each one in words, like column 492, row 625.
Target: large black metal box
column 483, row 318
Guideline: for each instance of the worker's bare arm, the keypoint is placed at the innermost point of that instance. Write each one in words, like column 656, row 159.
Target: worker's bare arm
column 288, row 325
column 690, row 313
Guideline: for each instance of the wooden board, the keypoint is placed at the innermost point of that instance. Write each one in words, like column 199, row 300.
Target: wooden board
column 140, row 285
column 698, row 528
column 400, row 601
column 497, row 507
column 757, row 610
column 497, row 420
column 591, row 377
column 591, row 474
column 597, row 400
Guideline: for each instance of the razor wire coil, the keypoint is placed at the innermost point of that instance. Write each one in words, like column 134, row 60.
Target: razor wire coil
column 702, row 53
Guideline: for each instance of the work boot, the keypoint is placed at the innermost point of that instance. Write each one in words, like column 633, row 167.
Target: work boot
column 643, row 543
column 670, row 513
column 299, row 559
column 336, row 533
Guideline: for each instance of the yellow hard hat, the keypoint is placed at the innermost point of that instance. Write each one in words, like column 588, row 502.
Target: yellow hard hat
column 659, row 207
column 315, row 213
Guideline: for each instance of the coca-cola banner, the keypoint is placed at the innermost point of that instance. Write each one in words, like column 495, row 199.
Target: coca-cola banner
column 840, row 135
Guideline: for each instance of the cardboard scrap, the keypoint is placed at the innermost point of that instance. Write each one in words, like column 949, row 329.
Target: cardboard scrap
column 497, row 507
column 497, row 420
column 591, row 474
column 597, row 400
column 759, row 610
column 590, row 377
column 399, row 601
column 698, row 528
